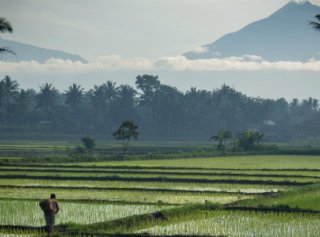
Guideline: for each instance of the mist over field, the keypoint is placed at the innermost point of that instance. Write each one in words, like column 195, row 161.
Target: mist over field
column 160, row 118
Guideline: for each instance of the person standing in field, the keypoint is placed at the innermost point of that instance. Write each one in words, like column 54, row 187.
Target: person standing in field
column 50, row 208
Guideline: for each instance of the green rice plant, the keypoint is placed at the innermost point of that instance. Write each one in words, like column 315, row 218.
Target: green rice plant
column 29, row 213
column 307, row 197
column 247, row 188
column 244, row 224
column 66, row 174
column 17, row 234
column 122, row 196
column 237, row 162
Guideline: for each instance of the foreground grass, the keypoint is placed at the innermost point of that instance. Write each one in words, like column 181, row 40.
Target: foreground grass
column 281, row 213
column 288, row 214
column 81, row 213
column 123, row 196
column 307, row 197
column 134, row 223
column 243, row 224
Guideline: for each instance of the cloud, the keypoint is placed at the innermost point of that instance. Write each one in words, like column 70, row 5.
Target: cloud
column 175, row 63
column 201, row 49
column 299, row 1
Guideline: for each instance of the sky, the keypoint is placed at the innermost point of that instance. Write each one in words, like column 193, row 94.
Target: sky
column 132, row 37
column 130, row 28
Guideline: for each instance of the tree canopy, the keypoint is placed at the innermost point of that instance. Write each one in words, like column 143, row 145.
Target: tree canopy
column 5, row 27
column 162, row 111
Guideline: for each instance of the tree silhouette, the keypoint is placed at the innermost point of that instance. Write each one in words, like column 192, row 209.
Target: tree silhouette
column 249, row 139
column 47, row 98
column 125, row 132
column 5, row 27
column 259, row 137
column 316, row 24
column 74, row 96
column 24, row 104
column 221, row 137
column 88, row 142
column 9, row 92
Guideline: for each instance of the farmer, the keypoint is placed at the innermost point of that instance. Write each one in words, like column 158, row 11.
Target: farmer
column 50, row 209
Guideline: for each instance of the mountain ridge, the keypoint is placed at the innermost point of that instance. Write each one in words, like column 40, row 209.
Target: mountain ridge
column 27, row 52
column 284, row 35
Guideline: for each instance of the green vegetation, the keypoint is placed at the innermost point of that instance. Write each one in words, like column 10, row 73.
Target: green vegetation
column 221, row 137
column 88, row 142
column 302, row 198
column 5, row 27
column 81, row 213
column 281, row 162
column 125, row 133
column 244, row 195
column 239, row 223
column 162, row 112
column 316, row 24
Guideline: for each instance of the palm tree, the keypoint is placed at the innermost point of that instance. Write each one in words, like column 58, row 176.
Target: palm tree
column 24, row 103
column 221, row 137
column 111, row 91
column 316, row 24
column 74, row 96
column 247, row 140
column 315, row 104
column 9, row 92
column 47, row 97
column 5, row 27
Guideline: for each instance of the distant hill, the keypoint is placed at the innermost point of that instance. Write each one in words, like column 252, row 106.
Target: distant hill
column 26, row 52
column 285, row 35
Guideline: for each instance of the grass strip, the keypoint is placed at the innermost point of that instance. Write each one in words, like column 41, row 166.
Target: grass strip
column 136, row 189
column 95, row 201
column 133, row 167
column 91, row 171
column 307, row 197
column 136, row 222
column 130, row 224
column 158, row 179
column 61, row 230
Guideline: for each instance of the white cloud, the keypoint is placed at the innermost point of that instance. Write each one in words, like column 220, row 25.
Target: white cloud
column 201, row 49
column 175, row 63
column 298, row 1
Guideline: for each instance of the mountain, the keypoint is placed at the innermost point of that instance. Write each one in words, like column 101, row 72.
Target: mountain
column 285, row 35
column 26, row 52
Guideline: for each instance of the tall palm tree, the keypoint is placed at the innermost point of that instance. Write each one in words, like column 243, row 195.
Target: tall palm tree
column 111, row 90
column 74, row 96
column 47, row 97
column 5, row 27
column 101, row 97
column 9, row 92
column 24, row 105
column 316, row 24
column 24, row 100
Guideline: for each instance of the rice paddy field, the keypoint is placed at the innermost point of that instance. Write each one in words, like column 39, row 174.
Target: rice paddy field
column 266, row 195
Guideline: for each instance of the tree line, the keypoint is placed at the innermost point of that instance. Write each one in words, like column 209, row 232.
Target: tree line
column 161, row 111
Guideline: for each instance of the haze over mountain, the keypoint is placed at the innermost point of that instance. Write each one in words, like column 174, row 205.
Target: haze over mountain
column 288, row 27
column 285, row 35
column 26, row 52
